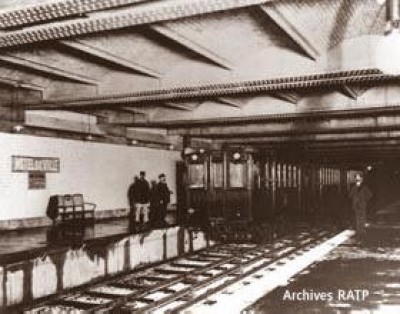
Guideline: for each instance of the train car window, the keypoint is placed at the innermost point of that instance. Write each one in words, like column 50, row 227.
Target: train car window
column 237, row 175
column 267, row 175
column 273, row 172
column 294, row 176
column 278, row 175
column 196, row 176
column 256, row 176
column 218, row 174
column 284, row 176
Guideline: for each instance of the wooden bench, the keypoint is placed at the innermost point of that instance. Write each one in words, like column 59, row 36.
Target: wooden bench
column 73, row 209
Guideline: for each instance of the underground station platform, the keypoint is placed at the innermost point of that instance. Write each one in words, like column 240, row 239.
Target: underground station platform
column 203, row 156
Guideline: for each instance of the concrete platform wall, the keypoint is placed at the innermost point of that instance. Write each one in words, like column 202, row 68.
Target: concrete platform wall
column 102, row 172
column 63, row 269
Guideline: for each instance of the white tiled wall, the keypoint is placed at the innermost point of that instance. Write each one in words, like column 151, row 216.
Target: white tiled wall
column 102, row 172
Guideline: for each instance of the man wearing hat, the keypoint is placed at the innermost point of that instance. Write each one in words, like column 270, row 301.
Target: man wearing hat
column 142, row 198
column 163, row 198
column 131, row 198
column 360, row 195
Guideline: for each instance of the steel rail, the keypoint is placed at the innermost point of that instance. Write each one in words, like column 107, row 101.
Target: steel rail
column 228, row 283
column 238, row 256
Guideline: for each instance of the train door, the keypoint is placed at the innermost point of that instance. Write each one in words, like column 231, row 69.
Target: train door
column 261, row 198
column 197, row 186
column 217, row 201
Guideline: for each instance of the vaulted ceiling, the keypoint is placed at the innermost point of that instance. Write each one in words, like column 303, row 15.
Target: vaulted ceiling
column 198, row 68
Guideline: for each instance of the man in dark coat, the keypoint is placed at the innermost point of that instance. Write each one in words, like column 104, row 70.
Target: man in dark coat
column 163, row 197
column 141, row 195
column 153, row 203
column 131, row 198
column 53, row 208
column 360, row 195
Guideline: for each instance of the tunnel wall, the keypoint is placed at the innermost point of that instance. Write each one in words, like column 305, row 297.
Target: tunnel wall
column 384, row 183
column 101, row 172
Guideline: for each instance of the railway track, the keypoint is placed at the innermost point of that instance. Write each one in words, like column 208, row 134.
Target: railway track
column 178, row 284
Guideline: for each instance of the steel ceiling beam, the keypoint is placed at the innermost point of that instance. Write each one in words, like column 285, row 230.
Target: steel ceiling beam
column 231, row 102
column 21, row 84
column 322, row 80
column 361, row 153
column 288, row 96
column 305, row 116
column 109, row 58
column 192, row 45
column 353, row 144
column 46, row 70
column 349, row 91
column 305, row 44
column 177, row 106
column 313, row 138
column 131, row 16
column 329, row 125
column 56, row 10
column 134, row 110
column 344, row 146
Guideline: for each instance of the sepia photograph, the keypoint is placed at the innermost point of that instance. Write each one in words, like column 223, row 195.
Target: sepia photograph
column 200, row 156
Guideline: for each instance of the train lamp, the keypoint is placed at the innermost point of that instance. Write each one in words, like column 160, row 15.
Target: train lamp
column 236, row 156
column 188, row 151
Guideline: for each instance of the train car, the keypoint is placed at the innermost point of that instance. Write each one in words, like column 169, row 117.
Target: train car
column 237, row 189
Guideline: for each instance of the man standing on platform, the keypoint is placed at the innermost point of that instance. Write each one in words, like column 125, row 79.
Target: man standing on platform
column 360, row 195
column 163, row 198
column 131, row 198
column 142, row 198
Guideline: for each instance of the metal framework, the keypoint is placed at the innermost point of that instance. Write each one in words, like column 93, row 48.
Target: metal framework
column 46, row 70
column 108, row 57
column 324, row 80
column 121, row 19
column 57, row 10
column 192, row 45
column 309, row 48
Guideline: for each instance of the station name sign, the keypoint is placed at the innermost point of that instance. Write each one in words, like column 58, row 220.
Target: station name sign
column 35, row 164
